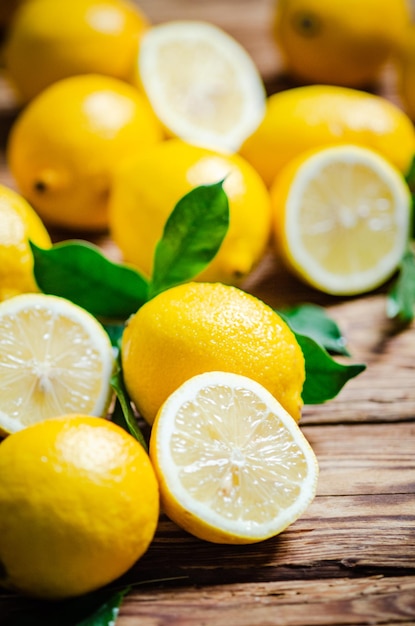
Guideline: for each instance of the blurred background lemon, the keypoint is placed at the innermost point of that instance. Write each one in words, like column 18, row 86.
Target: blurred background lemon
column 147, row 187
column 305, row 117
column 65, row 145
column 49, row 40
column 337, row 42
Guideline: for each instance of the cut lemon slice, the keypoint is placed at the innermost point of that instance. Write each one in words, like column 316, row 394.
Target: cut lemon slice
column 233, row 465
column 342, row 217
column 201, row 83
column 55, row 359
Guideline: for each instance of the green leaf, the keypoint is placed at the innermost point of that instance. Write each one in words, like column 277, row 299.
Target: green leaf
column 324, row 376
column 115, row 333
column 107, row 613
column 99, row 608
column 80, row 272
column 123, row 414
column 192, row 236
column 401, row 296
column 313, row 321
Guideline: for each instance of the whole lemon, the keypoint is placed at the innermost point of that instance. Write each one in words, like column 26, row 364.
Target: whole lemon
column 337, row 42
column 18, row 224
column 313, row 116
column 50, row 40
column 65, row 145
column 201, row 327
column 147, row 187
column 79, row 505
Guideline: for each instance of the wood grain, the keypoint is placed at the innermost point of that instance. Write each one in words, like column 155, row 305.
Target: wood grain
column 350, row 559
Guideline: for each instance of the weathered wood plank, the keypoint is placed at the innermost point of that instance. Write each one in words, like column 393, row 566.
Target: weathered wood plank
column 371, row 601
column 364, row 459
column 374, row 600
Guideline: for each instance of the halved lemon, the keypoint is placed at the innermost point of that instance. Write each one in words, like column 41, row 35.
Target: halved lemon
column 201, row 83
column 55, row 359
column 233, row 466
column 341, row 218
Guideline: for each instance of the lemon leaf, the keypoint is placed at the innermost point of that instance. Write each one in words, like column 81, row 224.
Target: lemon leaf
column 325, row 377
column 123, row 414
column 401, row 296
column 99, row 608
column 80, row 272
column 191, row 238
column 107, row 613
column 313, row 321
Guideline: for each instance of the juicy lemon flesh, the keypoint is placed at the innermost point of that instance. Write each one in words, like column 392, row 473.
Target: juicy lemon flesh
column 232, row 459
column 210, row 104
column 233, row 466
column 49, row 366
column 203, row 86
column 348, row 220
column 341, row 218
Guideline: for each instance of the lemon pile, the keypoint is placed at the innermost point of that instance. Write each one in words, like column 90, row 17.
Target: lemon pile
column 118, row 120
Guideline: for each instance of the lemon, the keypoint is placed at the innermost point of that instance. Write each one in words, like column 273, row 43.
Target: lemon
column 78, row 506
column 336, row 42
column 147, row 187
column 200, row 327
column 316, row 115
column 405, row 64
column 232, row 464
column 65, row 145
column 202, row 84
column 18, row 224
column 342, row 218
column 55, row 358
column 50, row 40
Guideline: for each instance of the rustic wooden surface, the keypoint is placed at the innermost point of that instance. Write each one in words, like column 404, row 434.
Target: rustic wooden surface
column 350, row 559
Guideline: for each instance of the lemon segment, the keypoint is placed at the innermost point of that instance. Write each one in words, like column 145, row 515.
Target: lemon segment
column 342, row 218
column 232, row 464
column 201, row 83
column 55, row 359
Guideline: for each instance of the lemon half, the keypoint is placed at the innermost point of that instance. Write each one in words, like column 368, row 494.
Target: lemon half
column 55, row 358
column 342, row 218
column 202, row 84
column 233, row 466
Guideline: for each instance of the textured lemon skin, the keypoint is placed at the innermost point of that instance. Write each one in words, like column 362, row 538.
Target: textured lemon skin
column 147, row 188
column 201, row 327
column 18, row 224
column 65, row 145
column 307, row 117
column 47, row 42
column 338, row 43
column 79, row 505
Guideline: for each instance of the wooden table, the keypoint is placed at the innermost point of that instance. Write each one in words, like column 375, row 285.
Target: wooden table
column 350, row 559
